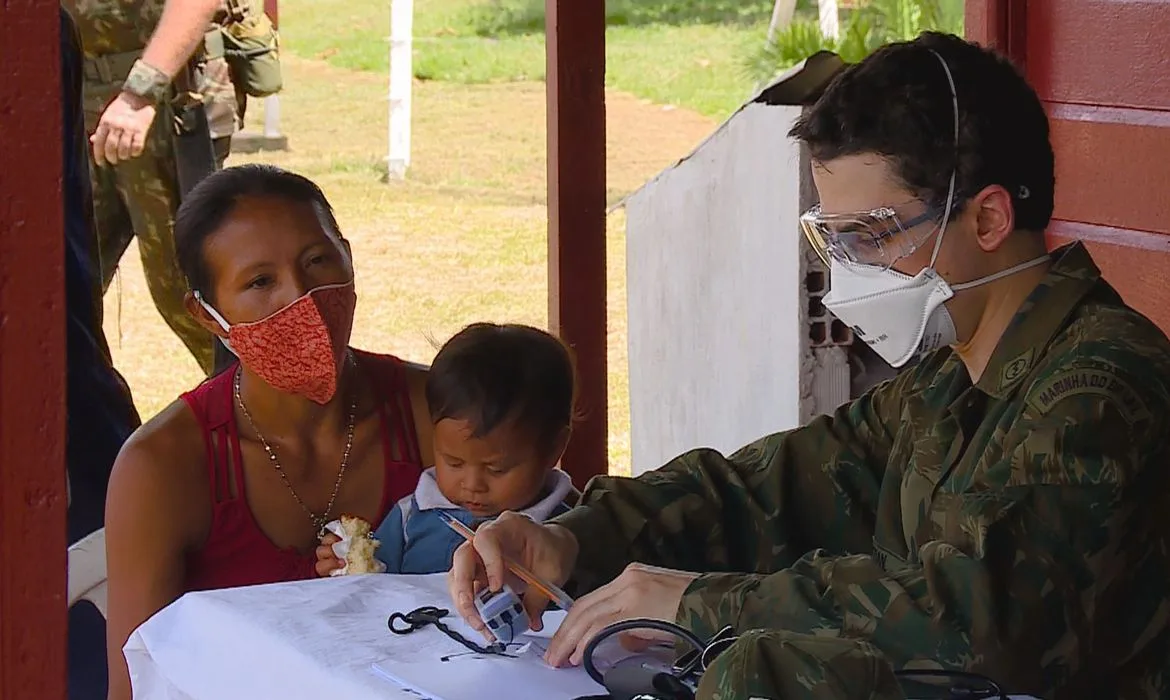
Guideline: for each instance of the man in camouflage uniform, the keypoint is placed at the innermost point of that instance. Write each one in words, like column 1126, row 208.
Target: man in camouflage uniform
column 133, row 49
column 999, row 508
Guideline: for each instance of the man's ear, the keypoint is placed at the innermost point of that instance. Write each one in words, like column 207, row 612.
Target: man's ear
column 995, row 216
column 204, row 319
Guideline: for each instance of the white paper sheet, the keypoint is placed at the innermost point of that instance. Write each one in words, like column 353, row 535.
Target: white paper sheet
column 306, row 639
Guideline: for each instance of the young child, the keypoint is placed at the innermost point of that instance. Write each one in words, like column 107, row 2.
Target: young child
column 501, row 402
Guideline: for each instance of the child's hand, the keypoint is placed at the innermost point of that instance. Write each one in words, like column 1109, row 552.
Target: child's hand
column 327, row 561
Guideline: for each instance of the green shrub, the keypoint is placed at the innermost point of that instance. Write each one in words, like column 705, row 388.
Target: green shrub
column 862, row 31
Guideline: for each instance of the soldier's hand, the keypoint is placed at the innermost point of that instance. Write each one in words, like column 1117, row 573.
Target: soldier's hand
column 549, row 551
column 640, row 591
column 121, row 131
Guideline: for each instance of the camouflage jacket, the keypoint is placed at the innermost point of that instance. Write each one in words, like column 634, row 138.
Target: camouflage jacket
column 1015, row 527
column 124, row 26
column 114, row 26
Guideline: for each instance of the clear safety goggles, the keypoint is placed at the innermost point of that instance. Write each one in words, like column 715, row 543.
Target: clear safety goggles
column 877, row 238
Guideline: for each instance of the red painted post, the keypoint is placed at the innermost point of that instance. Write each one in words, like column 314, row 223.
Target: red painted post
column 981, row 21
column 575, row 54
column 999, row 24
column 32, row 356
column 272, row 9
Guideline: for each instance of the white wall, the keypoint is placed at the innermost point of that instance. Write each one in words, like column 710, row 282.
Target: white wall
column 715, row 292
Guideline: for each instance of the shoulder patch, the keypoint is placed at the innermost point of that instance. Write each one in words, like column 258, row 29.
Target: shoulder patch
column 1080, row 382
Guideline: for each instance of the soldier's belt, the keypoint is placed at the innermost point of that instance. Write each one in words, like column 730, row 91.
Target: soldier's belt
column 111, row 68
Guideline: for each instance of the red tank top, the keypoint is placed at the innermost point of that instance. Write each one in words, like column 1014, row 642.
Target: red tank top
column 237, row 552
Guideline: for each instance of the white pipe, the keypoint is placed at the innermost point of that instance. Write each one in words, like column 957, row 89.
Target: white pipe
column 272, row 117
column 401, row 77
column 782, row 12
column 829, row 21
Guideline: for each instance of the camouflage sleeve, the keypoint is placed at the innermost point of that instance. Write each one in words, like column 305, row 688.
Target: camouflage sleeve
column 780, row 664
column 1054, row 576
column 758, row 510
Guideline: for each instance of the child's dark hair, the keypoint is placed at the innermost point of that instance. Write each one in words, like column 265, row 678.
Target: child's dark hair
column 489, row 374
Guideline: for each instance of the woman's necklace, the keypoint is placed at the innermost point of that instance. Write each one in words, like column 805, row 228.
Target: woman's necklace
column 319, row 521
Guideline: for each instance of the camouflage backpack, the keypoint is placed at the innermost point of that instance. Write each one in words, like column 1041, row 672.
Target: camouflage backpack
column 251, row 48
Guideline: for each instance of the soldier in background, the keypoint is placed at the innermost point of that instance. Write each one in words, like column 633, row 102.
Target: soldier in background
column 146, row 64
column 134, row 50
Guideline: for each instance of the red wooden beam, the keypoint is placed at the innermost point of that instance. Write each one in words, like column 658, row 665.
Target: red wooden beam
column 32, row 356
column 999, row 24
column 272, row 9
column 575, row 54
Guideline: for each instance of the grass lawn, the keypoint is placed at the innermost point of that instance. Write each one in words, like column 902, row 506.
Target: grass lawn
column 691, row 63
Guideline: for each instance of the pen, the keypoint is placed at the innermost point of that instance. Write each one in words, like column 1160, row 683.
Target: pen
column 552, row 592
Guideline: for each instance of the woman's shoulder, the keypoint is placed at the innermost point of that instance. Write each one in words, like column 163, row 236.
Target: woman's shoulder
column 167, row 453
column 172, row 431
column 160, row 476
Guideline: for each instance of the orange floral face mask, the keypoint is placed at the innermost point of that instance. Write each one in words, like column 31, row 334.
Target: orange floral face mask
column 298, row 349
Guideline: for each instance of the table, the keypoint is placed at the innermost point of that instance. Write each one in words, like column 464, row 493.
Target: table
column 309, row 639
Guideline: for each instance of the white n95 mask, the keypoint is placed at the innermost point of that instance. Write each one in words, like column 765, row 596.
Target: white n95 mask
column 898, row 315
column 895, row 314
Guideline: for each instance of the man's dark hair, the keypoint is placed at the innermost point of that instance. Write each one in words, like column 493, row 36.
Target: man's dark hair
column 897, row 103
column 208, row 204
column 490, row 374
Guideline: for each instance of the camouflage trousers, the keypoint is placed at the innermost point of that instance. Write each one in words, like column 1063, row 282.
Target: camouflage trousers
column 224, row 102
column 224, row 107
column 139, row 198
column 781, row 665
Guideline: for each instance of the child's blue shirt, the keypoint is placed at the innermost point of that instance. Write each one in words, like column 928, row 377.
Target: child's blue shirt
column 415, row 540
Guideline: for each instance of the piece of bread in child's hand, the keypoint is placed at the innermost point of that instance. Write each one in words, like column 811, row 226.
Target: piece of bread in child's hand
column 360, row 557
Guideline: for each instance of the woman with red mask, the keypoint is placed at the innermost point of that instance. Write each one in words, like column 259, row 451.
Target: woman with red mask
column 232, row 484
